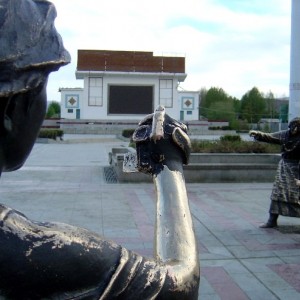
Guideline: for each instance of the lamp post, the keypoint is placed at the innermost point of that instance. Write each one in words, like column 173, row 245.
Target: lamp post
column 294, row 102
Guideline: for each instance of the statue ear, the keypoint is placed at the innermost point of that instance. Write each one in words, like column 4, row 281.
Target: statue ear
column 18, row 107
column 7, row 122
column 142, row 133
column 3, row 105
column 9, row 113
column 6, row 108
column 183, row 141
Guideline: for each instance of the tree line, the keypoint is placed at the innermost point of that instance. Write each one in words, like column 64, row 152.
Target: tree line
column 53, row 110
column 216, row 104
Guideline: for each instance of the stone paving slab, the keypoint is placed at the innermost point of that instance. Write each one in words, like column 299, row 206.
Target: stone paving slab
column 64, row 182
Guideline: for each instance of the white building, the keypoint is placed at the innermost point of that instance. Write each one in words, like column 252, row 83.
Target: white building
column 127, row 85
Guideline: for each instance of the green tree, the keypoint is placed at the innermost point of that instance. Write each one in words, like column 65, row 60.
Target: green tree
column 202, row 96
column 236, row 103
column 212, row 96
column 202, row 100
column 270, row 106
column 53, row 110
column 217, row 105
column 220, row 111
column 253, row 106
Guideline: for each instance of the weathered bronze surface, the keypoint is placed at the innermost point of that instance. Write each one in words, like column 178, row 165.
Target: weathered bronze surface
column 43, row 260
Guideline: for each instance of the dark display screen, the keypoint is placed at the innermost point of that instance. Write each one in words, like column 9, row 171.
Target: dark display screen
column 124, row 99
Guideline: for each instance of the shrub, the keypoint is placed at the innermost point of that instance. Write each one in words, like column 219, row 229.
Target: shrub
column 229, row 144
column 225, row 146
column 127, row 133
column 226, row 128
column 219, row 128
column 51, row 133
column 230, row 138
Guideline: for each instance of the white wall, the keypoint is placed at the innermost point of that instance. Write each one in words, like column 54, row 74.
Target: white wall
column 100, row 112
column 75, row 100
column 188, row 105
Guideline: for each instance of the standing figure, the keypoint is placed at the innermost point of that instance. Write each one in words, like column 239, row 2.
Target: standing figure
column 43, row 260
column 285, row 194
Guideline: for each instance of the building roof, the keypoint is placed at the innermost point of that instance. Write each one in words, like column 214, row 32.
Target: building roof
column 128, row 61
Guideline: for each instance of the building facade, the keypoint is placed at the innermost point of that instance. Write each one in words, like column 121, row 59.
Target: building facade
column 127, row 85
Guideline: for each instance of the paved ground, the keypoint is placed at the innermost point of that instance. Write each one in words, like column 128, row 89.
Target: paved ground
column 66, row 182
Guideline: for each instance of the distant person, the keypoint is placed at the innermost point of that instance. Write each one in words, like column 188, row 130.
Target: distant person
column 42, row 260
column 285, row 196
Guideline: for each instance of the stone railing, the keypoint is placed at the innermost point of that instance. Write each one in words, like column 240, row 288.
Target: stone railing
column 231, row 167
column 210, row 167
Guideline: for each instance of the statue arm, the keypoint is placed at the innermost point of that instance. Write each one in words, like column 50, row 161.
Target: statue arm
column 272, row 138
column 175, row 244
column 174, row 272
column 65, row 261
column 162, row 155
column 60, row 261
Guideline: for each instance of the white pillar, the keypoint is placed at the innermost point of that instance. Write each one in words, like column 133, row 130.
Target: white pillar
column 294, row 102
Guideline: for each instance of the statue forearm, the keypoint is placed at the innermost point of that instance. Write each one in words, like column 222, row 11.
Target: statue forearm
column 175, row 243
column 174, row 229
column 271, row 138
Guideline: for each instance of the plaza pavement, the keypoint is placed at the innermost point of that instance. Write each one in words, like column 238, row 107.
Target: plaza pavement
column 67, row 182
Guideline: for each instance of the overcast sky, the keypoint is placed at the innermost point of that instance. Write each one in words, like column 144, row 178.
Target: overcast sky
column 231, row 44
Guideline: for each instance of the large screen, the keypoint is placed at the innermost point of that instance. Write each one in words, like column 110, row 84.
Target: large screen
column 128, row 99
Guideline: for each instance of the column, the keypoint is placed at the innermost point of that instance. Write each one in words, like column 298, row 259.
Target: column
column 294, row 102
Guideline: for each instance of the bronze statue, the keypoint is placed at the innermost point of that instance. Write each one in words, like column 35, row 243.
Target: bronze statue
column 59, row 261
column 286, row 189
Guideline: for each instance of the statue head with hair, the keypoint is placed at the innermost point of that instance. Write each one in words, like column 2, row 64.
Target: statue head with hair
column 30, row 50
column 294, row 126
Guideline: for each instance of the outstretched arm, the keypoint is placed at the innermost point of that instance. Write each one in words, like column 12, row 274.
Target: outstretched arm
column 272, row 138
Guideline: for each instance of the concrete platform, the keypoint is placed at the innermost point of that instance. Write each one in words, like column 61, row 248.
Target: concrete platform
column 66, row 182
column 209, row 167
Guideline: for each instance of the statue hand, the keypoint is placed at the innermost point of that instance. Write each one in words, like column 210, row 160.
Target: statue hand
column 161, row 140
column 254, row 133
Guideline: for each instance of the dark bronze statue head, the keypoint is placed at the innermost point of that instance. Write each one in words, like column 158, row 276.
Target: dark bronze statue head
column 30, row 49
column 294, row 126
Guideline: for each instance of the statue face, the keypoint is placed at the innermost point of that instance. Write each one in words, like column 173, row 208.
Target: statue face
column 294, row 126
column 21, row 116
column 294, row 130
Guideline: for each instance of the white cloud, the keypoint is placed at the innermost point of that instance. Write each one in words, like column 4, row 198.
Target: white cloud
column 226, row 44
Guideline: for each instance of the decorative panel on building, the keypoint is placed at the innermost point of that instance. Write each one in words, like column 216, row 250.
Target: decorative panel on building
column 187, row 103
column 71, row 100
